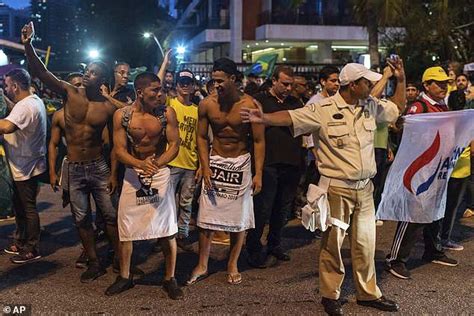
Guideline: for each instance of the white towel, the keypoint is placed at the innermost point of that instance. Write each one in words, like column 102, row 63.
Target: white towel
column 228, row 206
column 147, row 208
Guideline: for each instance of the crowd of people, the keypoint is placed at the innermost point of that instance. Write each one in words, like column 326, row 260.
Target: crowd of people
column 232, row 157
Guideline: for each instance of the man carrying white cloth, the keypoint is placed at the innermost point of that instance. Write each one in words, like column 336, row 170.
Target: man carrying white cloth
column 146, row 208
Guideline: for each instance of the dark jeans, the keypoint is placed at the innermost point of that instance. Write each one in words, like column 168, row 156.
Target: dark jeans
column 27, row 234
column 86, row 179
column 273, row 204
column 405, row 238
column 456, row 190
column 381, row 161
column 470, row 186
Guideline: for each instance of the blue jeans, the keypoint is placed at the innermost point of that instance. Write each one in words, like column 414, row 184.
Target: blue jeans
column 183, row 184
column 86, row 179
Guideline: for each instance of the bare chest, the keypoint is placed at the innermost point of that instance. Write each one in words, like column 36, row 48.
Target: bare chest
column 145, row 129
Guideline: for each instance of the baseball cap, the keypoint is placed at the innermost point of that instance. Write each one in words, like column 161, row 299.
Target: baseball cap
column 353, row 71
column 185, row 76
column 435, row 73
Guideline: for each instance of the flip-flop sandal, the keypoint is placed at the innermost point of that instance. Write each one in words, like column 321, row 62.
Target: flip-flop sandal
column 195, row 278
column 234, row 278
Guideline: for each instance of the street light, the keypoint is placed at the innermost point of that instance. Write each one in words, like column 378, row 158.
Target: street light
column 148, row 35
column 181, row 50
column 94, row 53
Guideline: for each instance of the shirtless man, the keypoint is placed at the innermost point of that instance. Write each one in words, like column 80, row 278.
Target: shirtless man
column 86, row 113
column 147, row 208
column 226, row 199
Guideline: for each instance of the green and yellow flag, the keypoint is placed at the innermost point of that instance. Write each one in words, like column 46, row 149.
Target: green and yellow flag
column 264, row 66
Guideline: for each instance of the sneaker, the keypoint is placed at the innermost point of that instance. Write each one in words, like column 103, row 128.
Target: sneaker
column 120, row 285
column 398, row 269
column 451, row 245
column 93, row 272
column 12, row 250
column 257, row 260
column 174, row 291
column 468, row 213
column 82, row 261
column 25, row 256
column 279, row 254
column 443, row 260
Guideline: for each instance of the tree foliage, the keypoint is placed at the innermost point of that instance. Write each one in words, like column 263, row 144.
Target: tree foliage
column 435, row 31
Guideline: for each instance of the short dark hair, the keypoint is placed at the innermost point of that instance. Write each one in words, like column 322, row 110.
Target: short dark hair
column 462, row 75
column 21, row 77
column 144, row 79
column 327, row 71
column 414, row 85
column 121, row 63
column 226, row 65
column 287, row 70
column 73, row 75
column 103, row 68
column 169, row 72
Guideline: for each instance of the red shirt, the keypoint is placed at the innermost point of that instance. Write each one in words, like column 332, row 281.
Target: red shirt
column 418, row 107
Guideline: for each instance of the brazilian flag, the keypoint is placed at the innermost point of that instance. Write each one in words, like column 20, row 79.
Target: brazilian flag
column 264, row 66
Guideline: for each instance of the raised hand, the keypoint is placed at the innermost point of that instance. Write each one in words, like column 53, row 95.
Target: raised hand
column 399, row 71
column 104, row 90
column 167, row 57
column 252, row 115
column 27, row 33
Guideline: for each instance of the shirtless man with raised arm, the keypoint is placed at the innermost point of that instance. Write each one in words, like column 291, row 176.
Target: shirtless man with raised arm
column 86, row 113
column 226, row 202
column 147, row 208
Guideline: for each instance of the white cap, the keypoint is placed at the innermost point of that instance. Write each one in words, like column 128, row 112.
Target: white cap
column 351, row 72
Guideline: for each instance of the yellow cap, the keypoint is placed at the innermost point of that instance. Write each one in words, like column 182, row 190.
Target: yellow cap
column 435, row 73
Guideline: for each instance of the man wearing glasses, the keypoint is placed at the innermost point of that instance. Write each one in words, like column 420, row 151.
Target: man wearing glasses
column 121, row 94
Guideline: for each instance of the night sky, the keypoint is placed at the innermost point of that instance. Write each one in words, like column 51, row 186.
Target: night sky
column 17, row 3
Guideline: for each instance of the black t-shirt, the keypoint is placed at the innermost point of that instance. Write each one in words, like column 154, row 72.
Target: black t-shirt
column 280, row 145
column 125, row 94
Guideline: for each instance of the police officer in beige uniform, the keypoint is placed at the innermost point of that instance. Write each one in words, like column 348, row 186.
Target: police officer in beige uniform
column 343, row 127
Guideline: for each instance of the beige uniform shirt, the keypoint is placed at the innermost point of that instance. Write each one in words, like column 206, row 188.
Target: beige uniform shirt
column 344, row 136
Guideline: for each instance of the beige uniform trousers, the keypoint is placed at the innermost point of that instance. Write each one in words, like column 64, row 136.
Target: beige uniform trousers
column 354, row 207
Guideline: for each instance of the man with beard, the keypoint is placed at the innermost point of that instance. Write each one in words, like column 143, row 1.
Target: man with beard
column 226, row 197
column 24, row 131
column 86, row 113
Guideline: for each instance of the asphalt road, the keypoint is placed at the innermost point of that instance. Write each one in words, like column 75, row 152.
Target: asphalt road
column 51, row 285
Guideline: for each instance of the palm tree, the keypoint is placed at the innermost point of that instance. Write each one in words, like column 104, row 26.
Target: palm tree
column 376, row 14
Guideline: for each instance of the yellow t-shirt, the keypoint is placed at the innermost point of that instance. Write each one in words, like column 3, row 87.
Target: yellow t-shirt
column 462, row 169
column 187, row 116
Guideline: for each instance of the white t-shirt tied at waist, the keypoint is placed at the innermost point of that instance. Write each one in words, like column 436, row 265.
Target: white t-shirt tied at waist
column 26, row 147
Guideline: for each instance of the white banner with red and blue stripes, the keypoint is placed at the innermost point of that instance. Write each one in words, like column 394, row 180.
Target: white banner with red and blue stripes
column 416, row 185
